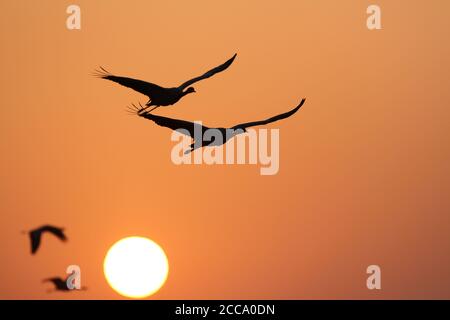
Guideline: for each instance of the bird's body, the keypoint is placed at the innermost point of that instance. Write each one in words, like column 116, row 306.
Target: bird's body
column 157, row 95
column 168, row 97
column 60, row 284
column 193, row 128
column 36, row 235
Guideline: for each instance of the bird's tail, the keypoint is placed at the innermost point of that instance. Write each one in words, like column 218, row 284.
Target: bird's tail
column 101, row 72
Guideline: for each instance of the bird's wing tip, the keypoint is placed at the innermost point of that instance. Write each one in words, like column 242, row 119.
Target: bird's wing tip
column 302, row 102
column 231, row 60
column 299, row 105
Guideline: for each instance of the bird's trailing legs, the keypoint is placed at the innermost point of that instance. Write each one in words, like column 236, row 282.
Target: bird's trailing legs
column 148, row 105
column 133, row 109
column 152, row 108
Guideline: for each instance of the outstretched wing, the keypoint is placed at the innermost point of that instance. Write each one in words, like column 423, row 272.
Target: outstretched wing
column 58, row 232
column 209, row 74
column 147, row 88
column 285, row 115
column 35, row 239
column 53, row 280
column 60, row 284
column 176, row 124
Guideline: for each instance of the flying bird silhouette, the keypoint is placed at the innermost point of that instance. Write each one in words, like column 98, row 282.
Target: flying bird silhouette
column 159, row 96
column 60, row 284
column 36, row 235
column 189, row 128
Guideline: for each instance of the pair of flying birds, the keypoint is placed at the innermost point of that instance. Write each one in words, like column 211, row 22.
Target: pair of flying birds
column 35, row 240
column 159, row 96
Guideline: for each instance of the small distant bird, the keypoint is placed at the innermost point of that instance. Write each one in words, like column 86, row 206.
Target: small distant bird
column 159, row 96
column 192, row 127
column 60, row 284
column 36, row 234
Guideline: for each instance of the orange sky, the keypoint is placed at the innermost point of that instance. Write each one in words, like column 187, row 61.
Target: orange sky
column 364, row 175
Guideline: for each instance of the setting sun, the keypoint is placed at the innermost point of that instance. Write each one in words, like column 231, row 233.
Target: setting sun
column 136, row 267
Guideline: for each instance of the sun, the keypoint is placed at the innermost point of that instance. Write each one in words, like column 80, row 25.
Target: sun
column 136, row 267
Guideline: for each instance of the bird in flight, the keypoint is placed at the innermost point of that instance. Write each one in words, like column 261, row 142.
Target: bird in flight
column 159, row 96
column 36, row 235
column 60, row 284
column 189, row 128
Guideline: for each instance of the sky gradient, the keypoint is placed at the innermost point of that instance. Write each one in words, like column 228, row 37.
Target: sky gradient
column 364, row 166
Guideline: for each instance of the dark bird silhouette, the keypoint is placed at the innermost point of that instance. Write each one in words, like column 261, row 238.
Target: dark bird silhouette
column 189, row 128
column 60, row 284
column 159, row 96
column 36, row 235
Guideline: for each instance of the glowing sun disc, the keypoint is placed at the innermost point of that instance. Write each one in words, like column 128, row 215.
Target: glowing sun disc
column 136, row 267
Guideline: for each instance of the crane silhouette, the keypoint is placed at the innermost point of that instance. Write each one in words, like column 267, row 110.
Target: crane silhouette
column 60, row 284
column 36, row 235
column 189, row 128
column 159, row 96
